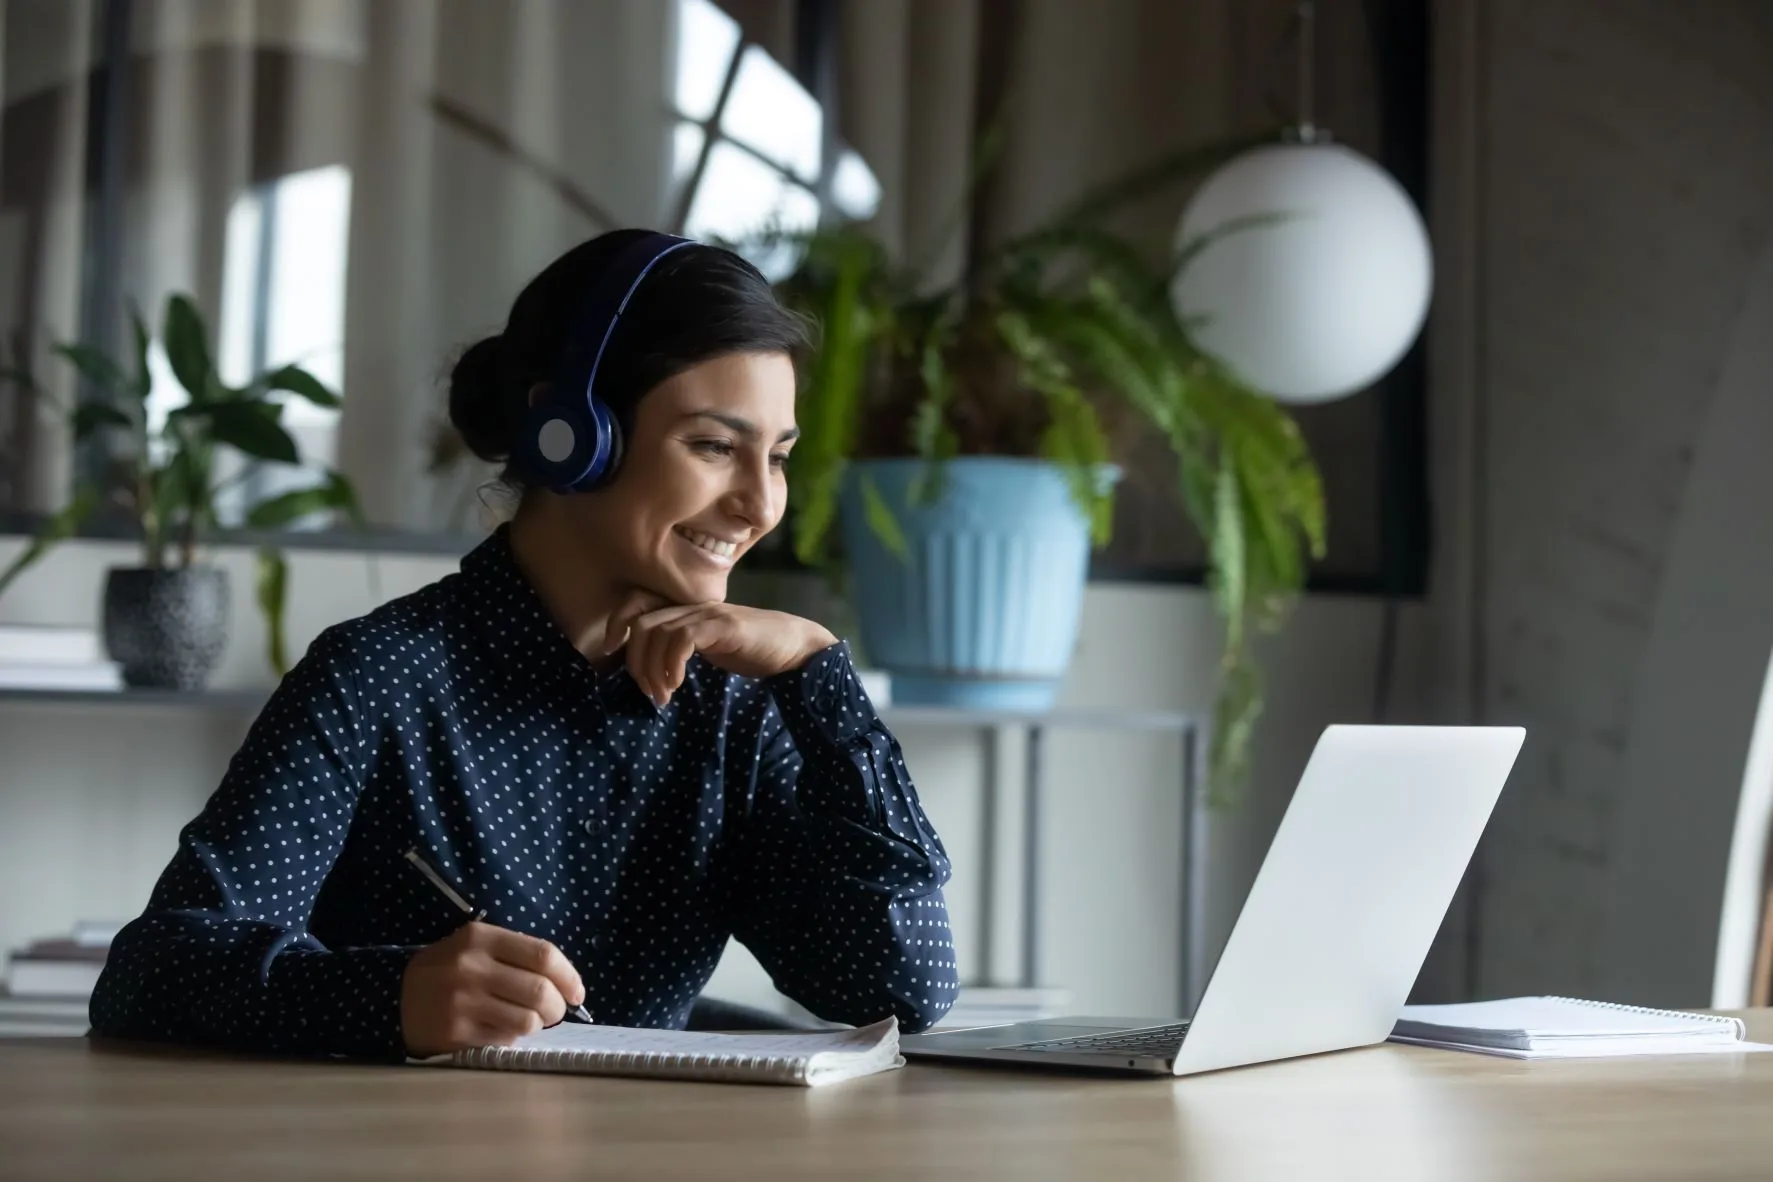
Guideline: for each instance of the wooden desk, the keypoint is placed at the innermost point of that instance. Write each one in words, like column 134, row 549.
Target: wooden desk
column 75, row 1111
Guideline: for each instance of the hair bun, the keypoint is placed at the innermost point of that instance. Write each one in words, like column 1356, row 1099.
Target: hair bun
column 480, row 407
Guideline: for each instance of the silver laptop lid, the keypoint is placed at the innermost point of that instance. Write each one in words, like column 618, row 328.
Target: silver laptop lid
column 1351, row 892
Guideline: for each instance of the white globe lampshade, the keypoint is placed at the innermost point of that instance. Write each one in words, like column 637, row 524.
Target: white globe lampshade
column 1318, row 278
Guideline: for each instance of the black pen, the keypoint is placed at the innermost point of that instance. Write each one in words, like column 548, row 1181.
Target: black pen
column 474, row 914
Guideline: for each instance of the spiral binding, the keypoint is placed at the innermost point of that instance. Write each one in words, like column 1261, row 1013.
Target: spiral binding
column 1715, row 1019
column 737, row 1068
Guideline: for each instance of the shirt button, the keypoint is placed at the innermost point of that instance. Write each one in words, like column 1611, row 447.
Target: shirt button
column 593, row 826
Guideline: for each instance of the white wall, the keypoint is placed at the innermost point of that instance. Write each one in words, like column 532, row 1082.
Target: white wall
column 91, row 797
column 1616, row 169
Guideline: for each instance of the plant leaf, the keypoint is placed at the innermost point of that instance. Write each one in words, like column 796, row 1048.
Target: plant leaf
column 882, row 521
column 273, row 596
column 830, row 403
column 278, row 511
column 144, row 380
column 94, row 416
column 181, row 490
column 95, row 367
column 60, row 526
column 250, row 427
column 187, row 349
column 303, row 384
column 1236, row 710
column 344, row 495
column 1229, row 559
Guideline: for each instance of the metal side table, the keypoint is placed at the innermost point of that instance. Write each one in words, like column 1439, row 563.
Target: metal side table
column 1192, row 861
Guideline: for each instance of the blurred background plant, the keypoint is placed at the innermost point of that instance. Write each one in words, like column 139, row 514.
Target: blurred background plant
column 166, row 473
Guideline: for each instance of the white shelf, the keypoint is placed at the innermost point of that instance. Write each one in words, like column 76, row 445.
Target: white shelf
column 247, row 699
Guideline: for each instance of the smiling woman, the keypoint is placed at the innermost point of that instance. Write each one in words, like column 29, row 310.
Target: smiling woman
column 619, row 767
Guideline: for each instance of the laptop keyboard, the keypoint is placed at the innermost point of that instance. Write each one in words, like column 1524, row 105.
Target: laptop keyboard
column 1157, row 1041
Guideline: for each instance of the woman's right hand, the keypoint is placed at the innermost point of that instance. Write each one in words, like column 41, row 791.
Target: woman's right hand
column 481, row 986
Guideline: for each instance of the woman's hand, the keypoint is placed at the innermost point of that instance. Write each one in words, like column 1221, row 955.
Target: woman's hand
column 748, row 641
column 482, row 986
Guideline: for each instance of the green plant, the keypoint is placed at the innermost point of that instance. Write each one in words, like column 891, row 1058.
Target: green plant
column 167, row 476
column 1060, row 343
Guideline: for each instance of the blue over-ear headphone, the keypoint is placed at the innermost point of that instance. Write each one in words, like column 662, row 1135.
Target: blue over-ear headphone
column 571, row 441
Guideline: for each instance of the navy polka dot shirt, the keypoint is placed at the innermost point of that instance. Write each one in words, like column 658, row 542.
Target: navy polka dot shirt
column 462, row 721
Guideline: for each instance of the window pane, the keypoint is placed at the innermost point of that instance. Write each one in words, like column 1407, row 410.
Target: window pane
column 306, row 318
column 467, row 145
column 769, row 111
column 740, row 196
column 854, row 190
column 686, row 146
column 707, row 38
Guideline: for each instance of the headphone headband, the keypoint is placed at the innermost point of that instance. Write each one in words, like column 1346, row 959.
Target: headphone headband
column 572, row 442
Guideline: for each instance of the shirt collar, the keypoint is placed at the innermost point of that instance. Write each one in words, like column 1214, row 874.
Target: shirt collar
column 521, row 639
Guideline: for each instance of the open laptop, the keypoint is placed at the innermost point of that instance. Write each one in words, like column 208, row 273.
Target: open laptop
column 1335, row 928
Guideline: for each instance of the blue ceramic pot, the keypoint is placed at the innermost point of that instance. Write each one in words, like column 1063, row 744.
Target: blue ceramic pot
column 983, row 611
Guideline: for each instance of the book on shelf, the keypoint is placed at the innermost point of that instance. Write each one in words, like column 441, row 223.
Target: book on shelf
column 49, row 644
column 53, row 657
column 878, row 685
column 42, row 1017
column 63, row 966
column 50, row 675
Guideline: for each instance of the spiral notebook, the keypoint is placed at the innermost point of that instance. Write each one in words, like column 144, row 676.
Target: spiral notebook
column 1567, row 1027
column 805, row 1060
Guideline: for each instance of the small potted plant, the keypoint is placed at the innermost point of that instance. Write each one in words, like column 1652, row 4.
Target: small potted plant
column 165, row 622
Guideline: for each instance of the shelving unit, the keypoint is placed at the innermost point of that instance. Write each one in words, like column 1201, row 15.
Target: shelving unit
column 1035, row 727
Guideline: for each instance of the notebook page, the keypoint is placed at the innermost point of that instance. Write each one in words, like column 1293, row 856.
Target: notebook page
column 1595, row 1049
column 1550, row 1017
column 568, row 1037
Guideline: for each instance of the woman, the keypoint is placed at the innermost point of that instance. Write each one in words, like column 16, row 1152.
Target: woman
column 575, row 730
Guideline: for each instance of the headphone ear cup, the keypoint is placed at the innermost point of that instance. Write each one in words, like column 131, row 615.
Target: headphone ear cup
column 608, row 453
column 557, row 444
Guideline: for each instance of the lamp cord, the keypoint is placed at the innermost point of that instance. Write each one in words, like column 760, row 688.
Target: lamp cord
column 1307, row 81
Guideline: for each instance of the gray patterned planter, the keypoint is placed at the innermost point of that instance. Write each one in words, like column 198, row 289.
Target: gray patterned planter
column 166, row 628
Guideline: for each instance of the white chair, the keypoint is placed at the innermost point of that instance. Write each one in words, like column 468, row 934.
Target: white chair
column 1744, row 972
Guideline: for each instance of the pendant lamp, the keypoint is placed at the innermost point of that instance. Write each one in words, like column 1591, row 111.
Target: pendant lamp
column 1312, row 271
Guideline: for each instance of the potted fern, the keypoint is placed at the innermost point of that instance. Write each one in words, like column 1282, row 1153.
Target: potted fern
column 956, row 464
column 165, row 622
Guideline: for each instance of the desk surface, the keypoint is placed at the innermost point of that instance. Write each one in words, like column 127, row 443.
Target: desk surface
column 69, row 1109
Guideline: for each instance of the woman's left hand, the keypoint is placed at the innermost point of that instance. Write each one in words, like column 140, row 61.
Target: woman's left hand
column 748, row 641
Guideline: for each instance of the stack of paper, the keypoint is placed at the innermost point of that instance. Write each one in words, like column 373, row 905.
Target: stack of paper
column 1563, row 1027
column 54, row 658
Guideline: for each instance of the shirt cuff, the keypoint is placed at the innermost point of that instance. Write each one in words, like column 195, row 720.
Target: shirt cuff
column 346, row 1001
column 823, row 701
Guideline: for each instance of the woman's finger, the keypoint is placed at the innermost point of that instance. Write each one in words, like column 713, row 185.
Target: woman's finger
column 646, row 651
column 534, row 992
column 677, row 644
column 635, row 607
column 505, row 1019
column 660, row 656
column 640, row 641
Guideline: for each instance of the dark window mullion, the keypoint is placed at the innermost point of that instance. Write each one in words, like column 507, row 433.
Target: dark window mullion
column 107, row 116
column 710, row 130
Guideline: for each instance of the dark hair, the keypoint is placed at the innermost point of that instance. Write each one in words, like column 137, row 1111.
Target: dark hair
column 698, row 303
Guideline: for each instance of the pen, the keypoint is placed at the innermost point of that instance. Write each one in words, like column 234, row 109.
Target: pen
column 474, row 914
